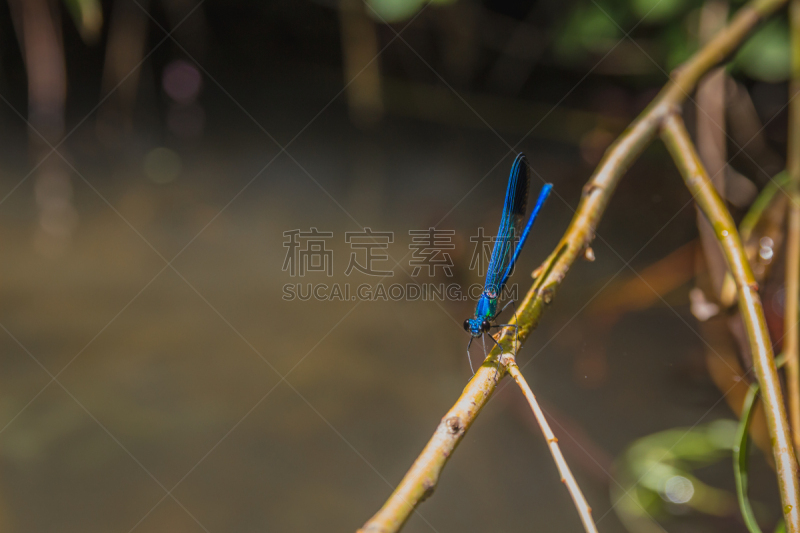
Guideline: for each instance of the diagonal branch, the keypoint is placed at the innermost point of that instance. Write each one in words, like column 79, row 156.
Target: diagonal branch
column 421, row 479
column 683, row 152
column 552, row 442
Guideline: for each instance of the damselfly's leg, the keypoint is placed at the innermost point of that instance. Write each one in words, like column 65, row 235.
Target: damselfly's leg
column 516, row 328
column 468, row 356
column 510, row 302
column 498, row 345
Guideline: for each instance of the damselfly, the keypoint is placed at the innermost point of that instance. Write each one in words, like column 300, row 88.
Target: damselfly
column 505, row 253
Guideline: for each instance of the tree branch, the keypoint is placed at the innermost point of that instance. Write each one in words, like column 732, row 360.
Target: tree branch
column 790, row 345
column 680, row 146
column 421, row 479
column 567, row 478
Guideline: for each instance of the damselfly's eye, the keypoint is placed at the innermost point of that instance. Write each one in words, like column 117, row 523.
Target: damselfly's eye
column 466, row 325
column 485, row 325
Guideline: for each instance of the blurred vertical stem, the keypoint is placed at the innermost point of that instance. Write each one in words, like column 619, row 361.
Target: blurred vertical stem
column 124, row 50
column 38, row 28
column 421, row 479
column 683, row 152
column 790, row 346
column 360, row 56
column 711, row 140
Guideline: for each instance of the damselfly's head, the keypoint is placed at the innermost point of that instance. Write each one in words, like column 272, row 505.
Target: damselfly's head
column 476, row 326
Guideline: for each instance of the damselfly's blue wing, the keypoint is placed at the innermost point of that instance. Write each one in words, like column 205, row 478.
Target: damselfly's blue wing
column 510, row 225
column 506, row 251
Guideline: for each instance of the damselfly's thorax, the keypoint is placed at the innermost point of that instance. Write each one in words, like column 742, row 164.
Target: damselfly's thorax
column 487, row 306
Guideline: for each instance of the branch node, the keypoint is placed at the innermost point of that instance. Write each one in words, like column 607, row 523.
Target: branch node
column 588, row 254
column 454, row 425
column 589, row 188
column 673, row 108
column 428, row 487
column 547, row 295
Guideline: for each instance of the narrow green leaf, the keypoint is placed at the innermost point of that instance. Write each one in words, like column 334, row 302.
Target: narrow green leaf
column 761, row 203
column 740, row 459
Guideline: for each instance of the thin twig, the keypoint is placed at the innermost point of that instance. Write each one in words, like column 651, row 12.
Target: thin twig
column 421, row 479
column 567, row 478
column 680, row 146
column 790, row 346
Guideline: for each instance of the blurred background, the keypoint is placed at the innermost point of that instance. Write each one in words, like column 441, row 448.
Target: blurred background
column 153, row 156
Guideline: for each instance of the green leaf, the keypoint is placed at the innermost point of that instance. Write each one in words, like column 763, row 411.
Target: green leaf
column 766, row 55
column 587, row 29
column 761, row 203
column 677, row 44
column 398, row 10
column 740, row 460
column 655, row 11
column 88, row 17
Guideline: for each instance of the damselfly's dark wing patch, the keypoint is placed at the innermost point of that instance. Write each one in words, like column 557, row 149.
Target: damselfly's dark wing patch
column 511, row 224
column 543, row 195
